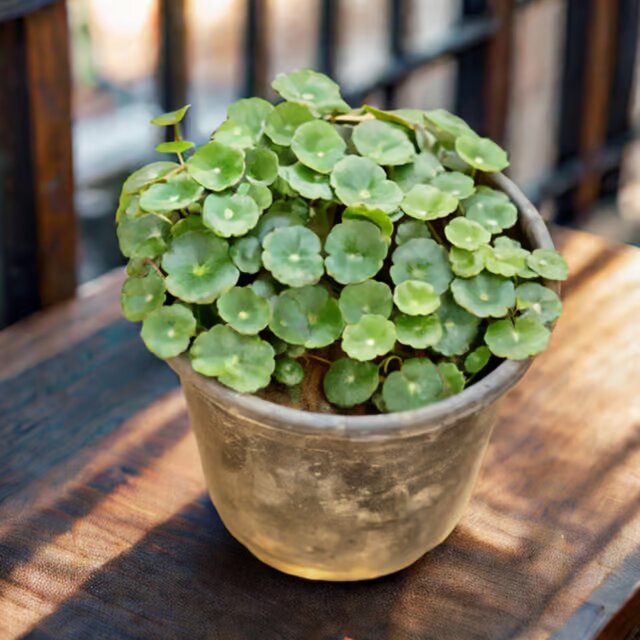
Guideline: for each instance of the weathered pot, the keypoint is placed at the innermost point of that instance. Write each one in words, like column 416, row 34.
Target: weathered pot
column 333, row 497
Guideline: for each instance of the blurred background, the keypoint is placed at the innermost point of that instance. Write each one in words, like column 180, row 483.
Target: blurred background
column 555, row 81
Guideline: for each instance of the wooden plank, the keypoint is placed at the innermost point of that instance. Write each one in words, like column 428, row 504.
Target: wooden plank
column 18, row 258
column 49, row 81
column 107, row 531
column 499, row 56
column 13, row 9
column 599, row 65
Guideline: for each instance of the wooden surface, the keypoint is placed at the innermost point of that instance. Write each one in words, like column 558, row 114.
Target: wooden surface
column 106, row 532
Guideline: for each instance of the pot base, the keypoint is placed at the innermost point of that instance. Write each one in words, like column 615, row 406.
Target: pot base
column 349, row 574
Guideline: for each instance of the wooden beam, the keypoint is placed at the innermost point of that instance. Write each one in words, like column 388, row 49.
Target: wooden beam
column 18, row 255
column 256, row 80
column 598, row 81
column 499, row 56
column 174, row 67
column 48, row 78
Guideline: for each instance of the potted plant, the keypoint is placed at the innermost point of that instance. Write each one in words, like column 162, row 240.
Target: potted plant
column 345, row 295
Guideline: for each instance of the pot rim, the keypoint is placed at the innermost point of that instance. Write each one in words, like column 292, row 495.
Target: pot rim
column 477, row 396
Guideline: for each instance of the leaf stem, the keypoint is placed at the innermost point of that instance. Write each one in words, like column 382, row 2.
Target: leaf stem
column 318, row 358
column 151, row 263
column 434, row 233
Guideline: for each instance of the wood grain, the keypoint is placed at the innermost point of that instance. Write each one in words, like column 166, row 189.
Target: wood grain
column 105, row 529
column 49, row 81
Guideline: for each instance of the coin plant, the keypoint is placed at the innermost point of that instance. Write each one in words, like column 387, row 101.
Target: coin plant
column 309, row 233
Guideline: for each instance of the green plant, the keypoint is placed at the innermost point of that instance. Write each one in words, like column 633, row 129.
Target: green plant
column 364, row 239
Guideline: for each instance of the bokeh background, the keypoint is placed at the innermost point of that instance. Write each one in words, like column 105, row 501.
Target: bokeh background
column 554, row 80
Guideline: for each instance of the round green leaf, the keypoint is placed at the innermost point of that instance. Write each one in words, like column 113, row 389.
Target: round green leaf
column 306, row 316
column 369, row 297
column 383, row 143
column 422, row 259
column 453, row 380
column 190, row 223
column 292, row 255
column 425, row 202
column 178, row 192
column 318, row 145
column 244, row 363
column 459, row 328
column 538, row 301
column 216, row 166
column 199, row 267
column 481, row 153
column 445, row 125
column 143, row 237
column 232, row 134
column 466, row 234
column 424, row 167
column 457, row 184
column 230, row 215
column 466, row 263
column 309, row 184
column 265, row 286
column 477, row 359
column 506, row 258
column 281, row 214
column 246, row 254
column 167, row 331
column 175, row 146
column 494, row 216
column 349, row 382
column 258, row 192
column 356, row 250
column 283, row 121
column 411, row 229
column 262, row 165
column 250, row 114
column 313, row 89
column 288, row 372
column 549, row 264
column 485, row 195
column 370, row 337
column 518, row 340
column 171, row 117
column 485, row 295
column 140, row 296
column 418, row 332
column 360, row 181
column 381, row 219
column 417, row 384
column 147, row 175
column 244, row 310
column 416, row 298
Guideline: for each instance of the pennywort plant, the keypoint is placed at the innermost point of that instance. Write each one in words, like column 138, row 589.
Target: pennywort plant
column 363, row 239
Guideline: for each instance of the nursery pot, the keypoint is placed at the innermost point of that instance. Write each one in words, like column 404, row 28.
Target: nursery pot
column 333, row 497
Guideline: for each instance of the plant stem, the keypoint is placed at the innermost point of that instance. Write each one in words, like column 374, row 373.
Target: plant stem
column 151, row 263
column 434, row 233
column 318, row 358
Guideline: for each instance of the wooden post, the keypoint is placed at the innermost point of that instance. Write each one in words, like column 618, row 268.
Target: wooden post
column 598, row 80
column 499, row 55
column 256, row 81
column 39, row 250
column 174, row 67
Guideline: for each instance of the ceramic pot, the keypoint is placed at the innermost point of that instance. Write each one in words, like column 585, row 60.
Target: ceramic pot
column 333, row 497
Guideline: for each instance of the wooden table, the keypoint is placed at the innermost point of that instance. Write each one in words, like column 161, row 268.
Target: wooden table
column 106, row 531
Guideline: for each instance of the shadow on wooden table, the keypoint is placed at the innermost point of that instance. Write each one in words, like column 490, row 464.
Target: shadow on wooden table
column 188, row 578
